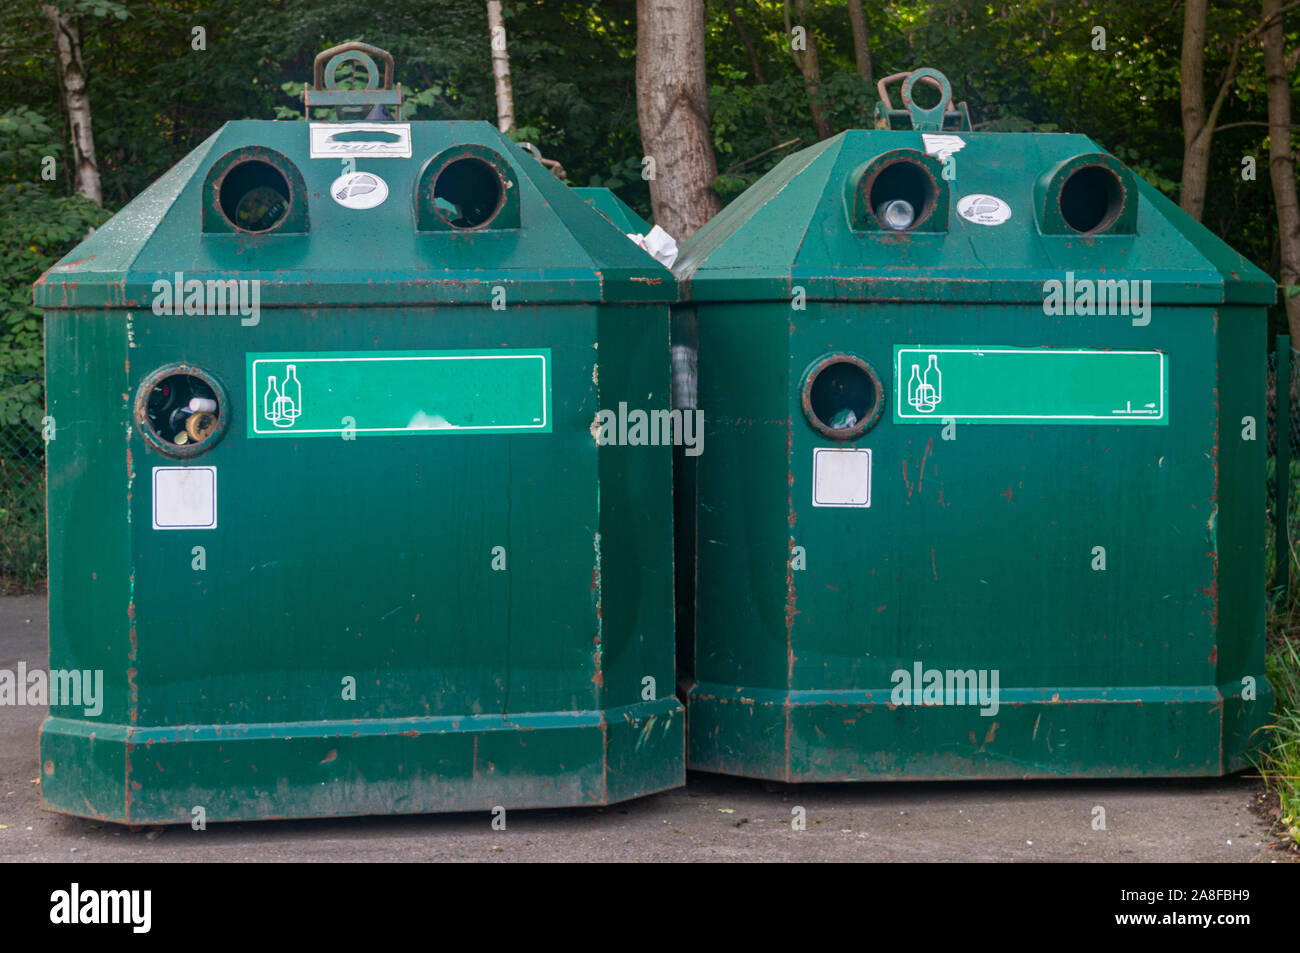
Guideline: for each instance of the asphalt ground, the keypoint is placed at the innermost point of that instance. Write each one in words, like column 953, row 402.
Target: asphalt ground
column 713, row 818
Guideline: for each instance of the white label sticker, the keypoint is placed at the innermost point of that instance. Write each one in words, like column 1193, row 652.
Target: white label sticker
column 359, row 190
column 184, row 497
column 341, row 140
column 983, row 209
column 942, row 146
column 841, row 477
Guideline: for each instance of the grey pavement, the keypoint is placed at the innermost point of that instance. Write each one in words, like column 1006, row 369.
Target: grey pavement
column 713, row 818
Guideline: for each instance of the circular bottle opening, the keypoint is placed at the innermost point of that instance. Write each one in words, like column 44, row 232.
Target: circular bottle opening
column 180, row 410
column 842, row 396
column 1091, row 199
column 906, row 181
column 254, row 196
column 468, row 193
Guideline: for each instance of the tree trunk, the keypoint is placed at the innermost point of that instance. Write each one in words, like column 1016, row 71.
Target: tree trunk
column 501, row 67
column 806, row 60
column 1198, row 125
column 672, row 106
column 861, row 48
column 1281, row 163
column 72, row 82
column 1196, row 138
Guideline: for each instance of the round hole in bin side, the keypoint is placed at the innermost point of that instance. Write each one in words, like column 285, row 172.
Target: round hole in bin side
column 1091, row 199
column 165, row 419
column 906, row 180
column 254, row 196
column 468, row 192
column 842, row 396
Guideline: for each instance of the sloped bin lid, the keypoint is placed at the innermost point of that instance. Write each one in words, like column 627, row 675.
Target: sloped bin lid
column 1022, row 209
column 435, row 212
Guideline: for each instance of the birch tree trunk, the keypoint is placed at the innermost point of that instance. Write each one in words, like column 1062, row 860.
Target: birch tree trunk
column 1281, row 163
column 76, row 99
column 501, row 67
column 672, row 106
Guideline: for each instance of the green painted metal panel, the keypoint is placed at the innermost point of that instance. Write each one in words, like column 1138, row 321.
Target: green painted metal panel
column 613, row 208
column 1029, row 385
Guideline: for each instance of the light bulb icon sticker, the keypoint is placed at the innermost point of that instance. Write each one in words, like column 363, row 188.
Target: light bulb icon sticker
column 282, row 405
column 925, row 389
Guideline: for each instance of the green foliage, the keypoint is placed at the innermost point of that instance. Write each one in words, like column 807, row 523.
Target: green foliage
column 1279, row 763
column 38, row 225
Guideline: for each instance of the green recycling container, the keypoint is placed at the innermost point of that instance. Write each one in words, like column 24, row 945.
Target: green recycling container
column 613, row 208
column 982, row 488
column 326, row 505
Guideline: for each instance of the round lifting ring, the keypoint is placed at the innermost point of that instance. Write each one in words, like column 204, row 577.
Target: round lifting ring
column 934, row 78
column 871, row 415
column 339, row 59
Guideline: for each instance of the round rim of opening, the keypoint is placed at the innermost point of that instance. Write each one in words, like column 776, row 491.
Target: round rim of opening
column 221, row 206
column 501, row 191
column 145, row 428
column 869, row 420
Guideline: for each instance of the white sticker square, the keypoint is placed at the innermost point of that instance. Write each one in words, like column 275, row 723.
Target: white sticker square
column 371, row 140
column 841, row 477
column 184, row 497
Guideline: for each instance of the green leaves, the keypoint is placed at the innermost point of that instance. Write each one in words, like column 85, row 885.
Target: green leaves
column 98, row 8
column 37, row 227
column 426, row 98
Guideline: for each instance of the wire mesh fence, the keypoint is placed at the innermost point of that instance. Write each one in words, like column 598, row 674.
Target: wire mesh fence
column 22, row 483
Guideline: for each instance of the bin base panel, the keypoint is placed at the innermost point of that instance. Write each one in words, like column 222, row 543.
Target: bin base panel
column 160, row 775
column 813, row 736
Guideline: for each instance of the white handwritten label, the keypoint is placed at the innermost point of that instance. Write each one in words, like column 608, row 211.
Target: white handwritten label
column 379, row 140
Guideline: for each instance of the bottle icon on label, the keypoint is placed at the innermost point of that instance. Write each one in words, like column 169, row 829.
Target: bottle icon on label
column 933, row 383
column 292, row 393
column 282, row 404
column 269, row 408
column 925, row 391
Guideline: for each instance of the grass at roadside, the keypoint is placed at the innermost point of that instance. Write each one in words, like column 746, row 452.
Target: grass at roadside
column 1279, row 762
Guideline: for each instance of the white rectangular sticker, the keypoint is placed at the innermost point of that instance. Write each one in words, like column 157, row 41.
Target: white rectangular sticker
column 941, row 146
column 379, row 140
column 184, row 497
column 841, row 477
